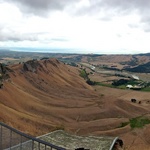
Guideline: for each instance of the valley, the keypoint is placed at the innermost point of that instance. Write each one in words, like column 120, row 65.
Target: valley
column 41, row 95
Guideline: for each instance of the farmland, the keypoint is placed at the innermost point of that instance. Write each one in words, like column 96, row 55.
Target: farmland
column 36, row 89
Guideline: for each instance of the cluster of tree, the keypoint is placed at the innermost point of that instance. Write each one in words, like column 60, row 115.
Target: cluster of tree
column 73, row 64
column 120, row 82
column 147, row 54
column 71, row 59
column 145, row 68
column 84, row 75
column 110, row 68
column 88, row 81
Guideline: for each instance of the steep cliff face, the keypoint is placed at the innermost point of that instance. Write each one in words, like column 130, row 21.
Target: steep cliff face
column 3, row 74
column 44, row 95
column 2, row 69
column 31, row 66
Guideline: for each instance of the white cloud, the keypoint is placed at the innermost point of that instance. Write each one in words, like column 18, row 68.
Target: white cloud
column 91, row 26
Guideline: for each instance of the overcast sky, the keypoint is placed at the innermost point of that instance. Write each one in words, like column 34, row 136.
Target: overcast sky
column 85, row 26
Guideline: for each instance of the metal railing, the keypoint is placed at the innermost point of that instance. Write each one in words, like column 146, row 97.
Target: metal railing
column 12, row 139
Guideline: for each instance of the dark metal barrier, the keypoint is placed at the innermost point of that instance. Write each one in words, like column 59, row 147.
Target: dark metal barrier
column 12, row 139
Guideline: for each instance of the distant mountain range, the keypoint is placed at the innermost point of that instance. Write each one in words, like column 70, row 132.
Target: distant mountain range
column 146, row 54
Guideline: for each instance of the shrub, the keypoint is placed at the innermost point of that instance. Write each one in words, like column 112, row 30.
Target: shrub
column 120, row 82
column 123, row 124
column 83, row 74
column 139, row 122
column 90, row 82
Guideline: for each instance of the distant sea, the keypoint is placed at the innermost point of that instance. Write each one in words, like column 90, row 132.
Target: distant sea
column 45, row 50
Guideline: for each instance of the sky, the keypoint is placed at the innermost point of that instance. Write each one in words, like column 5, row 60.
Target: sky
column 76, row 26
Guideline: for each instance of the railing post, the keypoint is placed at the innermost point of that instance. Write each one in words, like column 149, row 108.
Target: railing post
column 1, row 138
column 32, row 144
column 11, row 142
column 39, row 145
column 21, row 142
column 10, row 138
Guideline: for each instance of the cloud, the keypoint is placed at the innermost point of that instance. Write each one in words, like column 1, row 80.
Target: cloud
column 60, row 39
column 122, row 5
column 107, row 10
column 7, row 34
column 41, row 7
column 112, row 8
column 109, row 7
column 85, row 7
column 104, row 9
column 85, row 24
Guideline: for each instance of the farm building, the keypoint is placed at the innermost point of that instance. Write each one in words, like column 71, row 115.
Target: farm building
column 129, row 86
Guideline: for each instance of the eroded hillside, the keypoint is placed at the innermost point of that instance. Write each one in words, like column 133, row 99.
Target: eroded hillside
column 42, row 96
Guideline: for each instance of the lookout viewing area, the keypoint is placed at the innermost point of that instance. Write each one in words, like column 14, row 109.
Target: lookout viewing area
column 12, row 139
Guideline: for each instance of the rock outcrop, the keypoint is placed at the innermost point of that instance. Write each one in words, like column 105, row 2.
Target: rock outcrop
column 3, row 74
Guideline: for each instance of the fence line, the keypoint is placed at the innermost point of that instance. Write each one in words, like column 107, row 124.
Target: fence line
column 12, row 139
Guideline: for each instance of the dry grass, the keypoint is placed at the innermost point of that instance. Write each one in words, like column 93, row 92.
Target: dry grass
column 56, row 96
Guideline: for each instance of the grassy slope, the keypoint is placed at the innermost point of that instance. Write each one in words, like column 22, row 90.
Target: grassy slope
column 56, row 97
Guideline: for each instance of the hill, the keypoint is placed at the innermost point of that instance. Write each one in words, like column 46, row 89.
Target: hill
column 42, row 96
column 41, row 89
column 144, row 54
column 144, row 68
